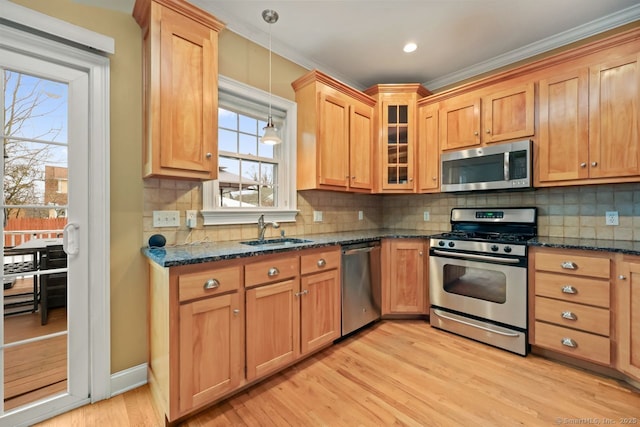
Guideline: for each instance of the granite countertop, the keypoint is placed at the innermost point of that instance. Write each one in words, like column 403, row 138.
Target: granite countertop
column 623, row 246
column 172, row 256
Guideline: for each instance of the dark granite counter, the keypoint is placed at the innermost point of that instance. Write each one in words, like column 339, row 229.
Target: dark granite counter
column 172, row 256
column 622, row 246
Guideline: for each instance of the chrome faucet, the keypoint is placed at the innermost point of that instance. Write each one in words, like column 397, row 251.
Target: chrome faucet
column 262, row 226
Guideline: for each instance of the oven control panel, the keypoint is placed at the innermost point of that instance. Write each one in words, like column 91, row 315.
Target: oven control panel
column 484, row 247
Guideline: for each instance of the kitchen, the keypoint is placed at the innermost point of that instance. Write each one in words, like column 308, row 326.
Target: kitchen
column 562, row 210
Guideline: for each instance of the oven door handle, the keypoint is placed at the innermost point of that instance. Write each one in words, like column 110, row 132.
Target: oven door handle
column 484, row 328
column 478, row 257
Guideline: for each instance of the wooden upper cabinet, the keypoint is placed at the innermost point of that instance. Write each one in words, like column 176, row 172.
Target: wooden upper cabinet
column 487, row 116
column 335, row 135
column 428, row 149
column 589, row 125
column 396, row 129
column 180, row 69
column 614, row 118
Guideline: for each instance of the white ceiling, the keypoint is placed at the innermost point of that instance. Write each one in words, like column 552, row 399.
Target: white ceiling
column 360, row 41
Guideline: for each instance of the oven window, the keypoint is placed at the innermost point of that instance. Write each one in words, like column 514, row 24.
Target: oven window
column 480, row 283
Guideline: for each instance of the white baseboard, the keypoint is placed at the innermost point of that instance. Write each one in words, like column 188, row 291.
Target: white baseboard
column 128, row 379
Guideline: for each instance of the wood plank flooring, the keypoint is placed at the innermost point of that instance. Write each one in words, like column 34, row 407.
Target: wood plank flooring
column 399, row 373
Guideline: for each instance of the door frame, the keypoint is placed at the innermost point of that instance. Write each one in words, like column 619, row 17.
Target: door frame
column 98, row 231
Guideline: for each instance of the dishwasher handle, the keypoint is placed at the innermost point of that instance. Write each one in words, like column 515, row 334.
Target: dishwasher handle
column 359, row 250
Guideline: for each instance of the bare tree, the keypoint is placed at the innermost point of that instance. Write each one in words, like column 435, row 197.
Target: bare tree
column 26, row 100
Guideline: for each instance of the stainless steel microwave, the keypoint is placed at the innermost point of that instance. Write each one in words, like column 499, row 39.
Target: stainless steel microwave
column 495, row 167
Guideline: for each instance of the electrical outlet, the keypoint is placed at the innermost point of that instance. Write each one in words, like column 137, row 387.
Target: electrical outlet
column 191, row 219
column 317, row 216
column 611, row 218
column 426, row 216
column 166, row 218
column 360, row 215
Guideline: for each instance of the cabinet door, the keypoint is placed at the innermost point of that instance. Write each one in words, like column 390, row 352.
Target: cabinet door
column 614, row 124
column 460, row 122
column 628, row 318
column 333, row 149
column 397, row 145
column 428, row 149
column 508, row 114
column 211, row 345
column 361, row 147
column 273, row 327
column 319, row 310
column 564, row 128
column 188, row 97
column 405, row 287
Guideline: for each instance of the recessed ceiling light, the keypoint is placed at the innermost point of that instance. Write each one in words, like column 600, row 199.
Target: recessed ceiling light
column 410, row 47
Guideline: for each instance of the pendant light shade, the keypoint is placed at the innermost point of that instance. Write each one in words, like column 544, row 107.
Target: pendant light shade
column 270, row 136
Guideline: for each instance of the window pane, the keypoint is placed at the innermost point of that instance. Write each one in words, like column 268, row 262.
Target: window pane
column 227, row 141
column 267, row 196
column 248, row 125
column 227, row 119
column 248, row 144
column 265, row 150
column 267, row 173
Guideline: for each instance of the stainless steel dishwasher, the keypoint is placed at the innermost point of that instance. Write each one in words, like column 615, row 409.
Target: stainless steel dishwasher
column 361, row 291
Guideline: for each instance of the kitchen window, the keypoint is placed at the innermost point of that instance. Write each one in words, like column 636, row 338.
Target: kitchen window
column 253, row 178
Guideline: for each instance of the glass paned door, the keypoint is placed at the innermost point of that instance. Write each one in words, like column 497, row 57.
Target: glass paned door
column 45, row 297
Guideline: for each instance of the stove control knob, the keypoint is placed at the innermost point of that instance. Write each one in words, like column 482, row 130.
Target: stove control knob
column 494, row 248
column 451, row 244
column 507, row 249
column 441, row 243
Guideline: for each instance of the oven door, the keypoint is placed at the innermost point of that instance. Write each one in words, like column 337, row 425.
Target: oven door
column 489, row 290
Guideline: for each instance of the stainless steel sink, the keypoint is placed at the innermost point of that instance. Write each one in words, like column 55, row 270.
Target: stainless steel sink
column 285, row 241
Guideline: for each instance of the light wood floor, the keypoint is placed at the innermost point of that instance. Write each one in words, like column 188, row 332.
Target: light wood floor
column 399, row 373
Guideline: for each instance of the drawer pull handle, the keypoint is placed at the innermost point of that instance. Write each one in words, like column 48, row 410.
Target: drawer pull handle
column 569, row 265
column 321, row 262
column 273, row 272
column 569, row 315
column 568, row 289
column 211, row 284
column 569, row 342
column 299, row 294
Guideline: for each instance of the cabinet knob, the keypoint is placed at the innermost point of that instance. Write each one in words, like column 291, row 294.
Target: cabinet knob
column 353, row 177
column 420, row 253
column 568, row 289
column 569, row 315
column 299, row 294
column 211, row 284
column 434, row 178
column 583, row 165
column 594, row 164
column 209, row 155
column 410, row 179
column 476, row 133
column 488, row 130
column 321, row 262
column 236, row 312
column 273, row 272
column 569, row 342
column 621, row 277
column 569, row 265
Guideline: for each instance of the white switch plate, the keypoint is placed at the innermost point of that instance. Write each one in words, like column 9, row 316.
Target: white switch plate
column 611, row 218
column 317, row 216
column 426, row 216
column 191, row 219
column 166, row 218
column 360, row 215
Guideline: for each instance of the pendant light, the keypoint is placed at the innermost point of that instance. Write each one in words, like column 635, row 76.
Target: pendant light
column 270, row 136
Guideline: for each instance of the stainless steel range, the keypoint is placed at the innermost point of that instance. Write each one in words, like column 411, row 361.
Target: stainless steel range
column 478, row 275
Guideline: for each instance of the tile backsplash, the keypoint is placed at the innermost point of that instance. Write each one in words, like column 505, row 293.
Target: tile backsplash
column 562, row 212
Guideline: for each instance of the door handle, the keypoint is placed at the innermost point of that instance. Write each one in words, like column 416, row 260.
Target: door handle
column 70, row 239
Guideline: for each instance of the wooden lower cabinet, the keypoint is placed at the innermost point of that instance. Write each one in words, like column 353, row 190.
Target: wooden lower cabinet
column 319, row 310
column 404, row 276
column 628, row 316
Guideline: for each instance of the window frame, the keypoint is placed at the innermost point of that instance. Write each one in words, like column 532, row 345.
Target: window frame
column 287, row 196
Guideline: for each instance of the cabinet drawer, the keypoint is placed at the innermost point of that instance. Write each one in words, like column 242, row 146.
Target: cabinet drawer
column 208, row 282
column 320, row 261
column 270, row 270
column 577, row 316
column 574, row 289
column 573, row 264
column 585, row 345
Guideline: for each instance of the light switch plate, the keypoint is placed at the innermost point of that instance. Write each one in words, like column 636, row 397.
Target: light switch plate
column 166, row 218
column 360, row 215
column 611, row 218
column 426, row 216
column 317, row 216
